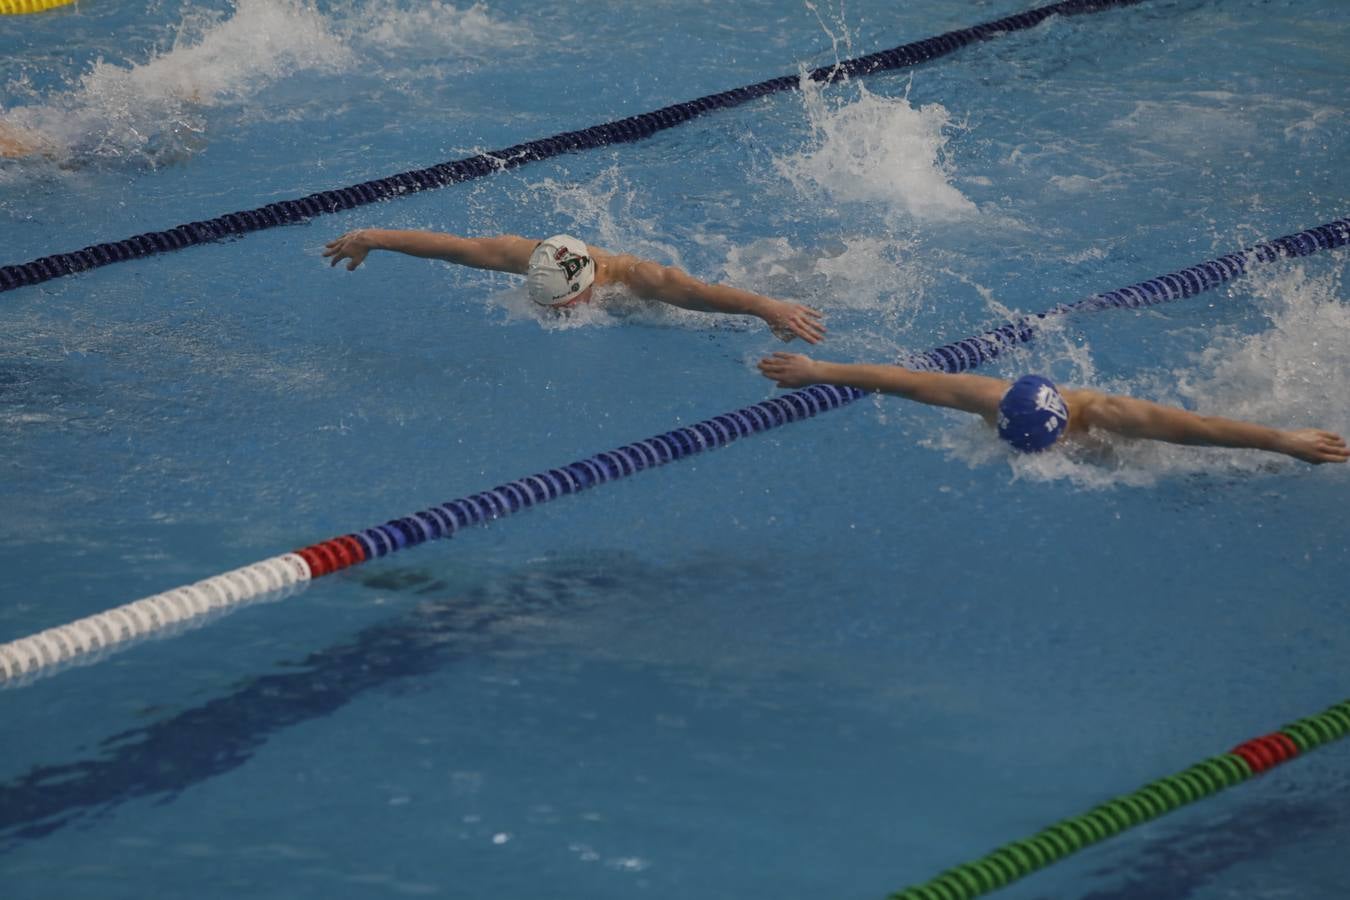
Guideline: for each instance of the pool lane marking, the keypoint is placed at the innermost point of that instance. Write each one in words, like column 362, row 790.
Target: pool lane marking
column 633, row 128
column 25, row 658
column 1050, row 845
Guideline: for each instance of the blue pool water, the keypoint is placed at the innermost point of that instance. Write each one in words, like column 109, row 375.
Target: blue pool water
column 827, row 661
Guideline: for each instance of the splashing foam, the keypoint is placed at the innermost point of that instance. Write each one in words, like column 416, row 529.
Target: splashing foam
column 152, row 112
column 214, row 60
column 434, row 27
column 871, row 272
column 877, row 149
column 1295, row 375
column 608, row 212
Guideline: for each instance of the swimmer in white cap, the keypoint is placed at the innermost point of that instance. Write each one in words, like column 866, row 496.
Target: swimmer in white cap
column 1032, row 414
column 562, row 271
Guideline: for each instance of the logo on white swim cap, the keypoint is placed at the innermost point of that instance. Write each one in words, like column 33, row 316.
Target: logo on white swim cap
column 560, row 270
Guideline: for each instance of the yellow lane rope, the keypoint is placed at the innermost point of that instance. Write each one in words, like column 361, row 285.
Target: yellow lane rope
column 18, row 7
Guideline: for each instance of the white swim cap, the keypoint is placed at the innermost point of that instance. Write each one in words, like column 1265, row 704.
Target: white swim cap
column 560, row 270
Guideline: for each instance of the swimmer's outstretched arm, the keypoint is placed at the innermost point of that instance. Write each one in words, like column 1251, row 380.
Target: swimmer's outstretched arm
column 978, row 394
column 653, row 281
column 1135, row 418
column 504, row 253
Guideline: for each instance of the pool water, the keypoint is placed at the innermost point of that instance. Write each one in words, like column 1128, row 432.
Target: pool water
column 826, row 661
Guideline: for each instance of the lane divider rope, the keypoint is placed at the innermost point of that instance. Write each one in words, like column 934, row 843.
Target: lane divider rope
column 633, row 128
column 92, row 638
column 971, row 352
column 21, row 7
column 1050, row 845
column 24, row 658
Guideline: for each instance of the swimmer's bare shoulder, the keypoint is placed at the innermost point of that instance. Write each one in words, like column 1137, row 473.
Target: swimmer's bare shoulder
column 1083, row 405
column 615, row 268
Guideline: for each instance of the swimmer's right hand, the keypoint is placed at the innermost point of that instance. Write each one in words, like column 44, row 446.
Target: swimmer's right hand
column 1315, row 446
column 352, row 246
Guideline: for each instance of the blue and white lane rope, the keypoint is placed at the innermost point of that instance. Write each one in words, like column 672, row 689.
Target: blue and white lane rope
column 27, row 658
column 633, row 128
column 971, row 352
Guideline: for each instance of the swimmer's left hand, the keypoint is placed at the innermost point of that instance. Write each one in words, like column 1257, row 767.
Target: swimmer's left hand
column 793, row 320
column 789, row 370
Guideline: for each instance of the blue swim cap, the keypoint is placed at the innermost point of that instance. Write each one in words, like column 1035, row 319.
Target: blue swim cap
column 1032, row 415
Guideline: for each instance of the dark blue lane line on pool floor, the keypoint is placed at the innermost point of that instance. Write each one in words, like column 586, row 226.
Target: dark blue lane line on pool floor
column 633, row 128
column 162, row 760
column 1182, row 862
column 165, row 758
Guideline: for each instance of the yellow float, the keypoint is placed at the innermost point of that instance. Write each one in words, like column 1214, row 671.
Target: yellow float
column 17, row 7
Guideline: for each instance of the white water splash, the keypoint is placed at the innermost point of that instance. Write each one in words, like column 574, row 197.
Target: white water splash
column 608, row 212
column 154, row 111
column 1294, row 375
column 600, row 312
column 438, row 28
column 853, row 271
column 876, row 149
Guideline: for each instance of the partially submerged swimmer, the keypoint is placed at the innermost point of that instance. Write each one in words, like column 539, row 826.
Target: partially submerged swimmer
column 16, row 142
column 563, row 271
column 1032, row 414
column 166, row 132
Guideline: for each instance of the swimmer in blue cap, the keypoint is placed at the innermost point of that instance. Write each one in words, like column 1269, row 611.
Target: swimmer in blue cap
column 562, row 271
column 1031, row 414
